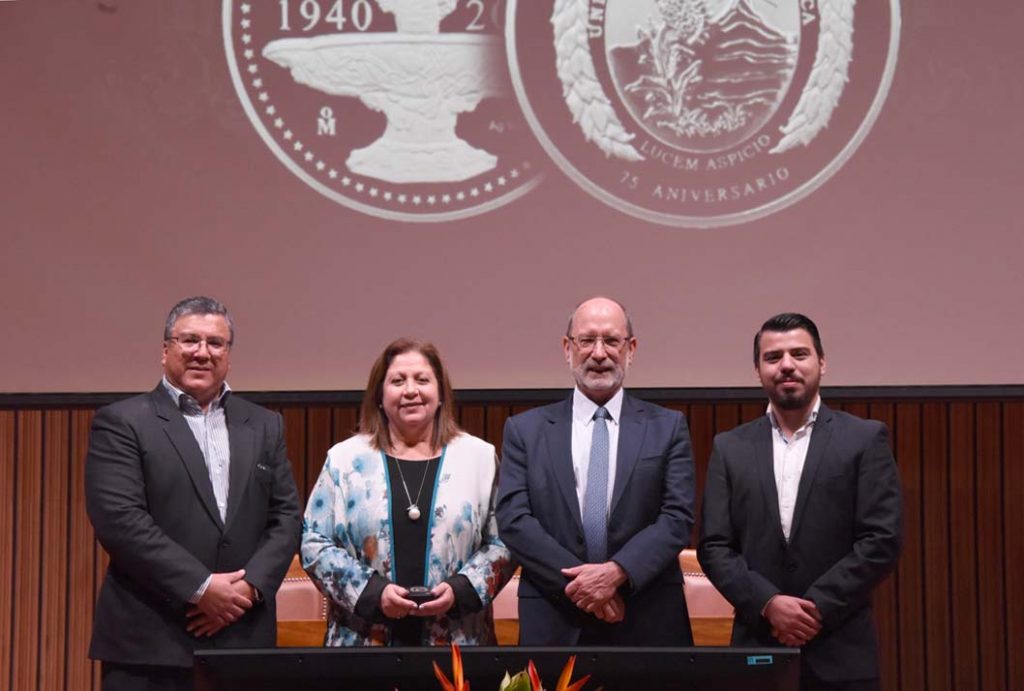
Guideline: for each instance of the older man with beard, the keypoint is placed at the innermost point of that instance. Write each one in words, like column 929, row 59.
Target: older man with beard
column 595, row 500
column 802, row 517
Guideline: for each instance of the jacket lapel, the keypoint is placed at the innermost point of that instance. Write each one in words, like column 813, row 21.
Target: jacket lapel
column 632, row 425
column 820, row 435
column 764, row 460
column 559, row 445
column 184, row 442
column 241, row 439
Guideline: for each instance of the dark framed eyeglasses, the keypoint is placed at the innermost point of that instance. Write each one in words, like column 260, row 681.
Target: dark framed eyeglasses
column 191, row 343
column 585, row 344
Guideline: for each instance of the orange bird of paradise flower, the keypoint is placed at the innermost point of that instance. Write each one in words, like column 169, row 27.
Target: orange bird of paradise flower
column 459, row 683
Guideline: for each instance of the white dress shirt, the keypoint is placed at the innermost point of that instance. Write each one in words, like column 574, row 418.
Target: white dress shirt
column 210, row 428
column 789, row 456
column 583, row 410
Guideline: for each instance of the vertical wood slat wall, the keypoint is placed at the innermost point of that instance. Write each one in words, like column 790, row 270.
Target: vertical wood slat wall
column 948, row 620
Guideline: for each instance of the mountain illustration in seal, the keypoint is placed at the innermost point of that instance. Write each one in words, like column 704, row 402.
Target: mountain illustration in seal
column 699, row 83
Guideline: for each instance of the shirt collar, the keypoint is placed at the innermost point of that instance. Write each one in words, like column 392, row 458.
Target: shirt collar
column 811, row 418
column 187, row 403
column 583, row 408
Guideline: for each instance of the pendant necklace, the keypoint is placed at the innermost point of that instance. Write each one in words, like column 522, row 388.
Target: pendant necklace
column 414, row 510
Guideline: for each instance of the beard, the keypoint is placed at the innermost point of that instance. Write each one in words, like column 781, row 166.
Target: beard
column 592, row 379
column 793, row 399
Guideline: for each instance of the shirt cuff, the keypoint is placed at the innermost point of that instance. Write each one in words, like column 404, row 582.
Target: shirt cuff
column 466, row 599
column 200, row 591
column 368, row 604
column 765, row 608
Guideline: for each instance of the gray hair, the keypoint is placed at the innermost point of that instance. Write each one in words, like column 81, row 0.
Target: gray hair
column 199, row 304
column 572, row 315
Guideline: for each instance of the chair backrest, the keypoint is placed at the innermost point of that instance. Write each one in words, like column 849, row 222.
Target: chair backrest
column 506, row 603
column 298, row 598
column 702, row 600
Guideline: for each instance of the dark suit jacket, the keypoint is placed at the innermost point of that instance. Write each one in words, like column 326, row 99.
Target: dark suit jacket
column 845, row 536
column 149, row 496
column 650, row 521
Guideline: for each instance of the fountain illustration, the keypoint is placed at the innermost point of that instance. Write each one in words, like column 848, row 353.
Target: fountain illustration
column 418, row 77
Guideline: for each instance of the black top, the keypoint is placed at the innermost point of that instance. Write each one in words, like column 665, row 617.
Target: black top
column 410, row 537
column 409, row 540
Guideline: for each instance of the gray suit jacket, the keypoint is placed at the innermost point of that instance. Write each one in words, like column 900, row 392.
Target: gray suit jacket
column 845, row 535
column 649, row 523
column 151, row 503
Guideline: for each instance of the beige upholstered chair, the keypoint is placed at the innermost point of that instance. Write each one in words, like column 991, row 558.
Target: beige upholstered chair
column 711, row 615
column 301, row 610
column 506, row 612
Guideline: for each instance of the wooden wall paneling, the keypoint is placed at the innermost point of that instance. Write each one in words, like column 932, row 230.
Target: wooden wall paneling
column 886, row 602
column 319, row 439
column 81, row 552
column 1013, row 538
column 494, row 428
column 752, row 411
column 53, row 613
column 344, row 422
column 101, row 560
column 472, row 418
column 8, row 449
column 886, row 610
column 937, row 554
column 701, row 420
column 858, row 408
column 295, row 441
column 911, row 582
column 727, row 416
column 964, row 590
column 991, row 612
column 28, row 528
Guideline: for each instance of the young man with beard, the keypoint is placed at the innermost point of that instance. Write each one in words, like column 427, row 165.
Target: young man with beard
column 802, row 517
column 595, row 500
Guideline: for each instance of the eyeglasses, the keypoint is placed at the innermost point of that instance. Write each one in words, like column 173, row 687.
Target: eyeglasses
column 190, row 343
column 585, row 344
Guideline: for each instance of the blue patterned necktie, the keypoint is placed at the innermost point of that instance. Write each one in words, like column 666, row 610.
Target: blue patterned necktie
column 595, row 500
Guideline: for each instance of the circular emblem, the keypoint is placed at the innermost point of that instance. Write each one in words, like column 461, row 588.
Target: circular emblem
column 701, row 113
column 397, row 108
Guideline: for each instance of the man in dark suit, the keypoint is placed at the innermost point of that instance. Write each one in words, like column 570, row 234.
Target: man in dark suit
column 802, row 517
column 189, row 491
column 595, row 500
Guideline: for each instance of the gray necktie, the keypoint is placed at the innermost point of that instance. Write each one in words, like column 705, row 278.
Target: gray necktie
column 595, row 500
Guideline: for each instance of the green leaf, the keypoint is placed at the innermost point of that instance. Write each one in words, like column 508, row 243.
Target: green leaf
column 520, row 682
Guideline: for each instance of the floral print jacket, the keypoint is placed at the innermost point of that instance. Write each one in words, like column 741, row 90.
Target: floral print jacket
column 347, row 536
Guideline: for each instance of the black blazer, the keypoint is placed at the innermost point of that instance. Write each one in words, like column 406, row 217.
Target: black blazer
column 845, row 535
column 649, row 523
column 151, row 503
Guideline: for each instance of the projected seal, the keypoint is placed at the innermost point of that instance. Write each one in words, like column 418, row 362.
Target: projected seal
column 397, row 108
column 701, row 112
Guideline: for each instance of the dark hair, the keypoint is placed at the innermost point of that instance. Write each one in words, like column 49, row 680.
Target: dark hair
column 199, row 304
column 572, row 315
column 372, row 418
column 788, row 321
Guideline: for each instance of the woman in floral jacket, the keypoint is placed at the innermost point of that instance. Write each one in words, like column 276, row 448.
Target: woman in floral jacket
column 399, row 532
